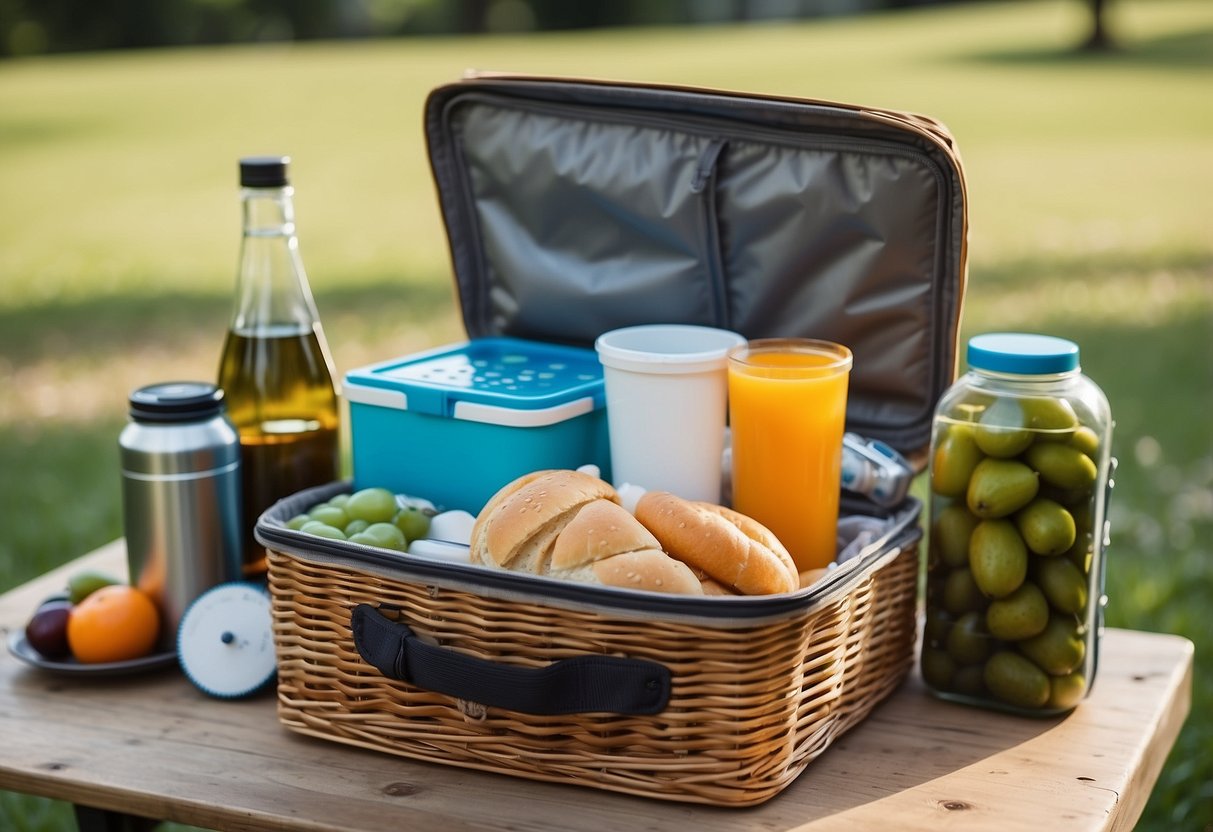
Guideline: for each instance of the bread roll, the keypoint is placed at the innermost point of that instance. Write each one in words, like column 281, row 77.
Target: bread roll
column 518, row 526
column 713, row 587
column 477, row 554
column 728, row 546
column 567, row 525
column 599, row 530
column 644, row 569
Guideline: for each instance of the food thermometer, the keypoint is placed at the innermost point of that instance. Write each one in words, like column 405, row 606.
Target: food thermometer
column 225, row 643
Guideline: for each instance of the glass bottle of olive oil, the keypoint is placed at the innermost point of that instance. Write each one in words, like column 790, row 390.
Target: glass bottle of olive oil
column 276, row 370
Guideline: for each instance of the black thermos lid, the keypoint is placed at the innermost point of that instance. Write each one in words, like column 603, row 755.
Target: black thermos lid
column 176, row 401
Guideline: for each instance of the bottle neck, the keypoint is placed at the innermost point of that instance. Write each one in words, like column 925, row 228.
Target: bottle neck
column 272, row 291
column 268, row 212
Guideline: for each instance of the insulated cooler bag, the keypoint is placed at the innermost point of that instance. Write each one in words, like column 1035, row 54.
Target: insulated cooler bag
column 574, row 207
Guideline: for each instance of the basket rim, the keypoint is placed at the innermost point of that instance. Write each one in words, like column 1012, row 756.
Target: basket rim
column 271, row 531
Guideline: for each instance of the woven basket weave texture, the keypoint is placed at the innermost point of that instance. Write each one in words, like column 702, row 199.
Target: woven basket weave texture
column 751, row 706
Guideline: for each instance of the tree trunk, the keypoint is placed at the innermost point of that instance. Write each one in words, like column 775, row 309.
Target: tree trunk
column 1099, row 39
column 472, row 16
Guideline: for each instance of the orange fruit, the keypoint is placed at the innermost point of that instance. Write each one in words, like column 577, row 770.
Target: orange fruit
column 113, row 624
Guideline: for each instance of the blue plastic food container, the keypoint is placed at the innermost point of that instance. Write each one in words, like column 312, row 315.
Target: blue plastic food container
column 457, row 423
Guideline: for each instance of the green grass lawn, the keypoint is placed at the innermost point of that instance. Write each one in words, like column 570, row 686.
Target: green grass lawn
column 1090, row 185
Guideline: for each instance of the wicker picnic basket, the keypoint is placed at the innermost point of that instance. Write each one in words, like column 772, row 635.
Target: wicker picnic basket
column 826, row 220
column 756, row 691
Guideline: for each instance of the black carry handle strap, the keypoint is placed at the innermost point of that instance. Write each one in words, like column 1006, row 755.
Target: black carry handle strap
column 583, row 684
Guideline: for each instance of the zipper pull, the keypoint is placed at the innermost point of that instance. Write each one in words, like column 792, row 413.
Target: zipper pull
column 705, row 168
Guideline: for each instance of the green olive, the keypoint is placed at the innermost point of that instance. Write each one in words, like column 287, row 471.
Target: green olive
column 968, row 642
column 937, row 668
column 1058, row 649
column 1082, row 553
column 1053, row 419
column 1087, row 441
column 1062, row 465
column 1013, row 679
column 953, row 460
column 951, row 532
column 1066, row 691
column 1022, row 614
column 960, row 593
column 1083, row 515
column 998, row 558
column 968, row 405
column 1002, row 429
column 1047, row 528
column 936, row 626
column 1063, row 583
column 999, row 487
column 1072, row 498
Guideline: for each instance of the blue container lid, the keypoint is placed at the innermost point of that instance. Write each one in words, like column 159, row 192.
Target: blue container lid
column 495, row 380
column 1022, row 353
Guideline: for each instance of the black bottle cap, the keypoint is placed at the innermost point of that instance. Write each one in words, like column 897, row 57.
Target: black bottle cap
column 176, row 401
column 264, row 171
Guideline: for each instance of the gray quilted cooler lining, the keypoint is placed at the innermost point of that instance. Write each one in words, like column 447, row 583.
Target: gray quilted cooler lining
column 572, row 211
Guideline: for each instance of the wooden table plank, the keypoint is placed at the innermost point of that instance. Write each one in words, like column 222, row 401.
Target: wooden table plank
column 152, row 745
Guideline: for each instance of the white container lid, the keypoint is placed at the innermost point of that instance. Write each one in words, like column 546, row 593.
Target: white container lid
column 666, row 348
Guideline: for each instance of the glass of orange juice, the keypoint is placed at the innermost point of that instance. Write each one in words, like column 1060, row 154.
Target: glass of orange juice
column 787, row 410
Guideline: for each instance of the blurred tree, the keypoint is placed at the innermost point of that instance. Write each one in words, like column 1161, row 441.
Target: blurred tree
column 30, row 27
column 1099, row 39
column 472, row 15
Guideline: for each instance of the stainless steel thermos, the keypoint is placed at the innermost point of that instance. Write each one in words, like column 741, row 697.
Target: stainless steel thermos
column 180, row 496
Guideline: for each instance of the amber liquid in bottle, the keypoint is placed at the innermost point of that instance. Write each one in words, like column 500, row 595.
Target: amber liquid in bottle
column 275, row 369
column 280, row 397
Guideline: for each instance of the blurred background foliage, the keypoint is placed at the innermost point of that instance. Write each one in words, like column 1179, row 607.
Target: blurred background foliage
column 1090, row 187
column 31, row 27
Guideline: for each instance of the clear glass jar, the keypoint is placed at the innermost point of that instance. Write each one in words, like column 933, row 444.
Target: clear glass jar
column 1019, row 475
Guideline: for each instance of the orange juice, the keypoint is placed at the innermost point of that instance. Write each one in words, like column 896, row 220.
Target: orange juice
column 787, row 409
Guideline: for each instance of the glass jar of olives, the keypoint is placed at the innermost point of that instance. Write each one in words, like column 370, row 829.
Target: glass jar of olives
column 1019, row 476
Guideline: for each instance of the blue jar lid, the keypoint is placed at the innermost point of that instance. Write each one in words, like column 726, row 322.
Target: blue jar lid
column 1022, row 353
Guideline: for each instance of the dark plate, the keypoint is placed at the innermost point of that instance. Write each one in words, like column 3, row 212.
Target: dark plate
column 19, row 647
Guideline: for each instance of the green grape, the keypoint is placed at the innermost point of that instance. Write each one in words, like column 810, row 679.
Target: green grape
column 413, row 522
column 385, row 536
column 329, row 515
column 322, row 530
column 374, row 505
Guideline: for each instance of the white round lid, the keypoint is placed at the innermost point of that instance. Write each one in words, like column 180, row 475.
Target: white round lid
column 225, row 643
column 666, row 348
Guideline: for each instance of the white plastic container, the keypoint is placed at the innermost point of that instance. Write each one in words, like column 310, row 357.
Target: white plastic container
column 666, row 394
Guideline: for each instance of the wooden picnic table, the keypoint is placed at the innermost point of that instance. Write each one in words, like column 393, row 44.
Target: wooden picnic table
column 153, row 746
